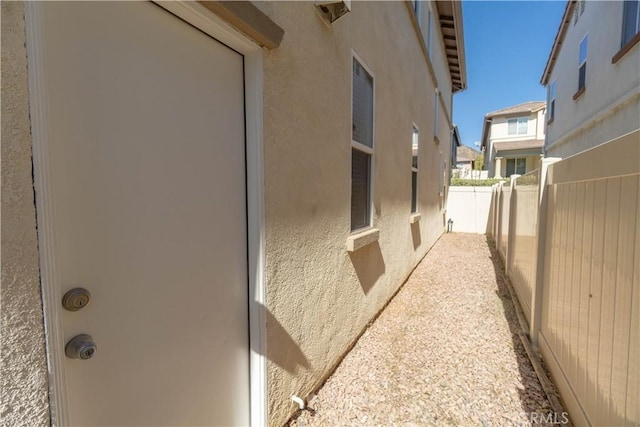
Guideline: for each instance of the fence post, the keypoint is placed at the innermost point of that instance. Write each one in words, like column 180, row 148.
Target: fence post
column 498, row 220
column 512, row 225
column 492, row 213
column 498, row 236
column 541, row 234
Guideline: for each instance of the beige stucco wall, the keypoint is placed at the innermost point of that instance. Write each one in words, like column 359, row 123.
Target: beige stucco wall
column 23, row 366
column 609, row 125
column 610, row 105
column 436, row 50
column 319, row 296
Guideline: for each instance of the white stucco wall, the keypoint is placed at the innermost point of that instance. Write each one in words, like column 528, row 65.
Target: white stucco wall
column 610, row 105
column 23, row 367
column 319, row 296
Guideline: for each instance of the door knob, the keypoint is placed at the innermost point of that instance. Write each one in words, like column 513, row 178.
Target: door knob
column 81, row 347
column 75, row 299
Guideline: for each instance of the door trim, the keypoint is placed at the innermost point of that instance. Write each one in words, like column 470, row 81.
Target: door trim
column 203, row 19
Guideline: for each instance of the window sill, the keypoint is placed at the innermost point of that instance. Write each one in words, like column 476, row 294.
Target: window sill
column 362, row 239
column 579, row 93
column 415, row 217
column 626, row 48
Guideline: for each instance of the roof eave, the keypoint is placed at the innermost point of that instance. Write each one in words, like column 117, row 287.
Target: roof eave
column 456, row 135
column 557, row 43
column 457, row 13
column 451, row 28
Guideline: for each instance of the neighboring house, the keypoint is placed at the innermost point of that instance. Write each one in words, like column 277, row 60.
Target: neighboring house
column 593, row 76
column 224, row 195
column 466, row 157
column 465, row 167
column 512, row 139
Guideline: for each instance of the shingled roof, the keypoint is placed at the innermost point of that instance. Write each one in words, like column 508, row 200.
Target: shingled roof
column 525, row 107
column 466, row 154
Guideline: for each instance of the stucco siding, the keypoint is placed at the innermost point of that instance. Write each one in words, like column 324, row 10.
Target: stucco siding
column 540, row 123
column 435, row 49
column 439, row 62
column 23, row 361
column 610, row 89
column 319, row 296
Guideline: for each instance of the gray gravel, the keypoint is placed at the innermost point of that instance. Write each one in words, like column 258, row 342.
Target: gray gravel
column 445, row 351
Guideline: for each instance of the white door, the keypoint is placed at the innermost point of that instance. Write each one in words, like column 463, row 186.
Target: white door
column 146, row 155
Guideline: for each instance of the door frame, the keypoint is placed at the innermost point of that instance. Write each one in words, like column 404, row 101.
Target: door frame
column 197, row 15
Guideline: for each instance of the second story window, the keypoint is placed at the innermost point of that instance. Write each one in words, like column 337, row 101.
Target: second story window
column 630, row 20
column 582, row 63
column 436, row 105
column 551, row 102
column 519, row 126
column 579, row 10
column 361, row 146
column 414, row 170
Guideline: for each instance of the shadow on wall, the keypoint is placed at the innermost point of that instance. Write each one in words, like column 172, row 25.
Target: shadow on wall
column 282, row 349
column 415, row 235
column 369, row 265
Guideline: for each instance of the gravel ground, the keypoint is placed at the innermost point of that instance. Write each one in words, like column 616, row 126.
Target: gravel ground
column 445, row 351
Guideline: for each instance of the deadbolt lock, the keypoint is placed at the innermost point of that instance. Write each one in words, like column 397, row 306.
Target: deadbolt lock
column 81, row 347
column 75, row 299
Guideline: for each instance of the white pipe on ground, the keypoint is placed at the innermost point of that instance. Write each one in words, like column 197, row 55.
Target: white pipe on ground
column 299, row 401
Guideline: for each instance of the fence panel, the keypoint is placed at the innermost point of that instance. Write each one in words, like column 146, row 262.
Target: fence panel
column 522, row 269
column 504, row 197
column 589, row 331
column 469, row 208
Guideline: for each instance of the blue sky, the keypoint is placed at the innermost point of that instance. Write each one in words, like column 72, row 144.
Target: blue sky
column 507, row 44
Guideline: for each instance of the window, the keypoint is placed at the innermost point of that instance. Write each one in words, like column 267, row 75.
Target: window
column 436, row 105
column 579, row 10
column 519, row 126
column 630, row 20
column 582, row 63
column 416, row 7
column 551, row 102
column 414, row 170
column 516, row 166
column 361, row 146
column 429, row 30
